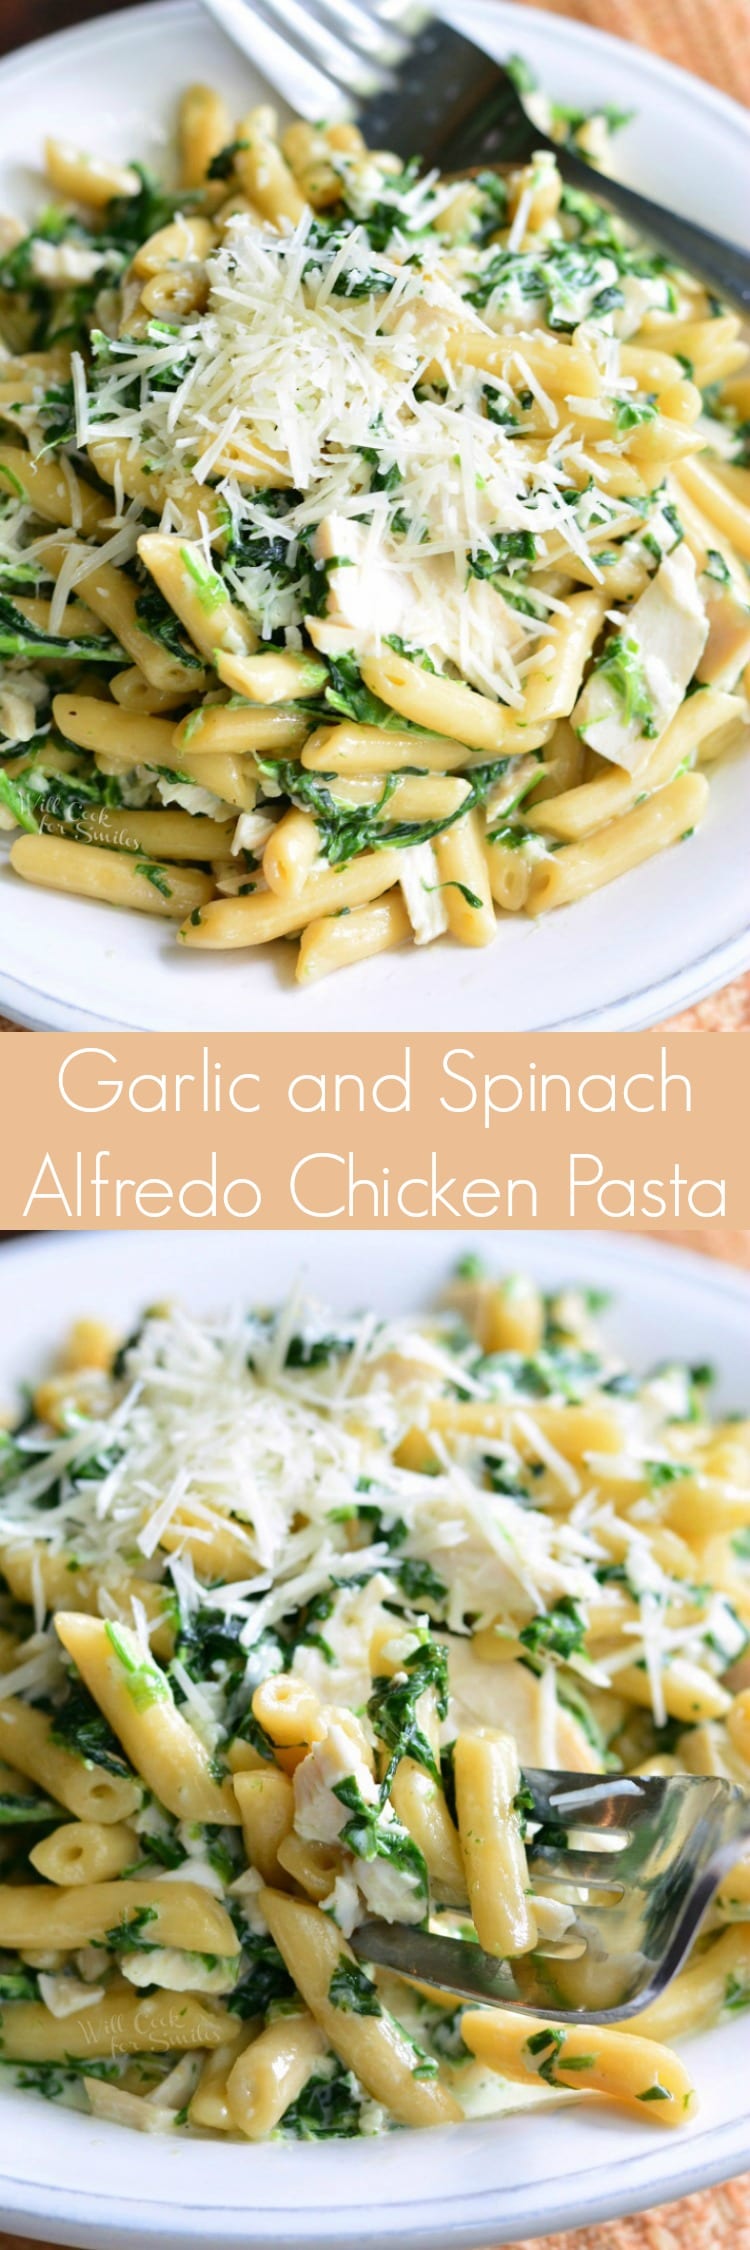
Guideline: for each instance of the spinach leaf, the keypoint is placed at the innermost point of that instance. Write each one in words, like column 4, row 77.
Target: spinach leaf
column 145, row 1682
column 22, row 1812
column 127, row 1936
column 130, row 220
column 352, row 1991
column 328, row 2108
column 263, row 1977
column 369, row 1837
column 560, row 1632
column 18, row 1984
column 221, row 166
column 80, row 1727
column 157, row 619
column 20, row 638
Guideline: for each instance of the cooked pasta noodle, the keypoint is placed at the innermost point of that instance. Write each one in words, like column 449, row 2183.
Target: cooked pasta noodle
column 323, row 476
column 450, row 1549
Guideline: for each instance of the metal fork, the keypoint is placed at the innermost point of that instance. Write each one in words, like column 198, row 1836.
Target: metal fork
column 417, row 86
column 638, row 1860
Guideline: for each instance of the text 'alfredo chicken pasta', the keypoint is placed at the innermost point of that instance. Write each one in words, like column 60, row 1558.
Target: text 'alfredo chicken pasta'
column 289, row 1605
column 372, row 545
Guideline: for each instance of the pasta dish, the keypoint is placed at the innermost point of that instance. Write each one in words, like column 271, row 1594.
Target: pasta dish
column 372, row 545
column 289, row 1605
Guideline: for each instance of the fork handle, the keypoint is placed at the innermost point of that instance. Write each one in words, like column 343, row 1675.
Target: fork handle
column 722, row 266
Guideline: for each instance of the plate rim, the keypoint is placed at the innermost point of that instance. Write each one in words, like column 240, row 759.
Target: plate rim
column 30, row 1005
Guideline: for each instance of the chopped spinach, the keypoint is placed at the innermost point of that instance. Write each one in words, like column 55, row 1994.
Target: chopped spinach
column 559, row 1632
column 26, row 1811
column 353, row 1991
column 128, row 1935
column 419, row 1583
column 392, row 1708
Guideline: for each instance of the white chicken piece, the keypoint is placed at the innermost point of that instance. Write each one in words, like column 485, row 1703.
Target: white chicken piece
column 668, row 629
column 252, row 831
column 641, row 294
column 59, row 263
column 510, row 1696
column 357, row 1616
column 21, row 695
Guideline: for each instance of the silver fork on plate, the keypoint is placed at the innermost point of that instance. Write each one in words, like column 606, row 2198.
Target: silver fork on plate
column 638, row 1862
column 417, row 86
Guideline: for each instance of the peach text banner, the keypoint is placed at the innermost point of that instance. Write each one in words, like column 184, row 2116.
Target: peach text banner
column 375, row 1130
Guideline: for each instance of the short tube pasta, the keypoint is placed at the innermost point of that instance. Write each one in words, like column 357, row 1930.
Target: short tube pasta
column 255, row 920
column 266, row 1802
column 182, row 1914
column 335, row 943
column 464, row 881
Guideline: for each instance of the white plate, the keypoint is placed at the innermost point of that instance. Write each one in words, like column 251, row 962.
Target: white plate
column 77, row 2180
column 649, row 945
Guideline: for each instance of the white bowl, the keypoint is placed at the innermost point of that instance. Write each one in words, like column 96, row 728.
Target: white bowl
column 633, row 954
column 76, row 2180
